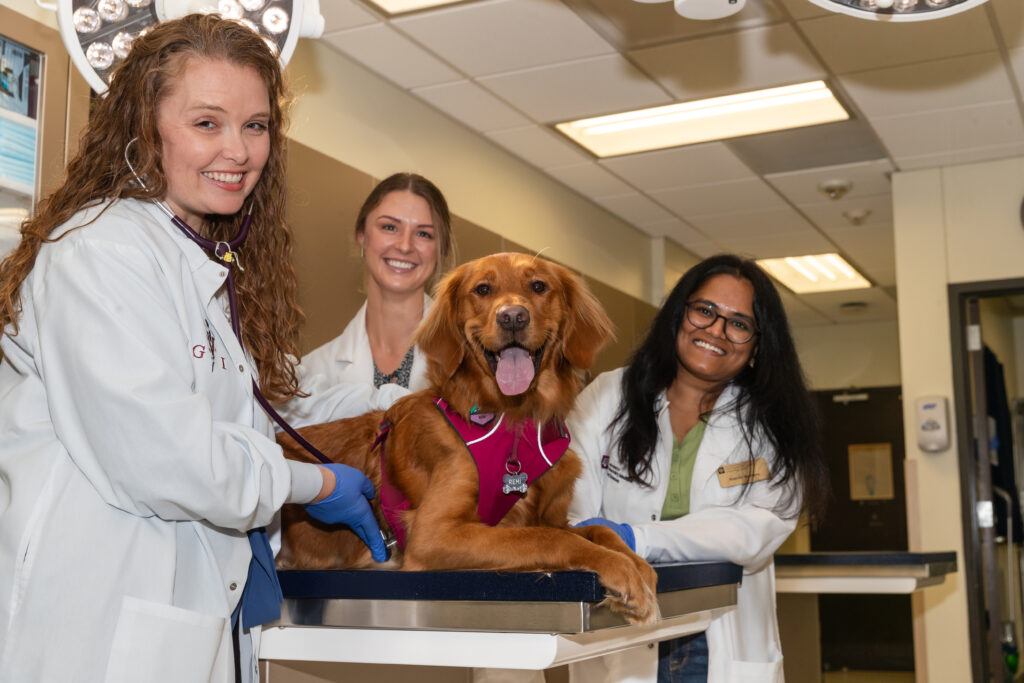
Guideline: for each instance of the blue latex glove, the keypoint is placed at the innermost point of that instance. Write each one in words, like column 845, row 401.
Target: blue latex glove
column 349, row 504
column 624, row 531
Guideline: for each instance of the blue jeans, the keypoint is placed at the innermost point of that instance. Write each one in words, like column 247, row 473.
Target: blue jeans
column 683, row 660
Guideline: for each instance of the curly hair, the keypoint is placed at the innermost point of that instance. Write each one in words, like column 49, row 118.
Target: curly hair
column 774, row 402
column 267, row 287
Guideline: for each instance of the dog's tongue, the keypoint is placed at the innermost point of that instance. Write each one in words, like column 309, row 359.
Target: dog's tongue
column 515, row 371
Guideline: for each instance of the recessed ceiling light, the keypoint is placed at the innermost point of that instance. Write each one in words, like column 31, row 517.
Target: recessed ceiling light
column 393, row 7
column 815, row 273
column 716, row 118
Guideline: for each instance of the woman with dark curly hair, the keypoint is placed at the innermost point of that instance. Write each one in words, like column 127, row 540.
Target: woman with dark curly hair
column 705, row 447
column 148, row 307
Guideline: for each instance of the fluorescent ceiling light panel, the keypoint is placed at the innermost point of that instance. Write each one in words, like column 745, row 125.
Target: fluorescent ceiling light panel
column 717, row 118
column 393, row 7
column 816, row 273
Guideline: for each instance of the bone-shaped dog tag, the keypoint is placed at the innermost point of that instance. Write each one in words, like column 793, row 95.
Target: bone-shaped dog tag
column 513, row 482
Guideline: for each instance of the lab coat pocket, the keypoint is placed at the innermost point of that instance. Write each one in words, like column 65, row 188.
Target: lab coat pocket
column 753, row 672
column 160, row 644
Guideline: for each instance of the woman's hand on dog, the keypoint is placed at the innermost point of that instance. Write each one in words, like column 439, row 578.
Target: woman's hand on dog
column 624, row 531
column 348, row 494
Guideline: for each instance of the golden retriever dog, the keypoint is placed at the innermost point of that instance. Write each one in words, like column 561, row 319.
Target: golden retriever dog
column 474, row 473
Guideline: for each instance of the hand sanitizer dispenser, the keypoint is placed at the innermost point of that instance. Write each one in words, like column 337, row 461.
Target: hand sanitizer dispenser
column 932, row 423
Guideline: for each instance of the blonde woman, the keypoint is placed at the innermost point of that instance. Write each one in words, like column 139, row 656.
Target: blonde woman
column 404, row 233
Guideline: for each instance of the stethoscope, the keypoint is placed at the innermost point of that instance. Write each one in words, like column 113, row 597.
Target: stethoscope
column 227, row 253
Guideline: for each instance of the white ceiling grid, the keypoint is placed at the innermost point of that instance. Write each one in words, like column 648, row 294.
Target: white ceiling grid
column 926, row 94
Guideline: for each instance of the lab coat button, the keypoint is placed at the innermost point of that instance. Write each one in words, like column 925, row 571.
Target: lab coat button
column 223, row 273
column 654, row 518
column 232, row 586
column 241, row 368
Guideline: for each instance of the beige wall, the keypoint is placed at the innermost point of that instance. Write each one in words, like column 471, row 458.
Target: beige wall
column 30, row 9
column 392, row 131
column 850, row 355
column 952, row 225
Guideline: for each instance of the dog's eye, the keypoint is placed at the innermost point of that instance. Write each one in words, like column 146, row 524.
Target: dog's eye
column 539, row 286
column 482, row 289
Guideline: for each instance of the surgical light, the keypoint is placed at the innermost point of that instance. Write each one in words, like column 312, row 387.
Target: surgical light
column 898, row 10
column 99, row 33
column 877, row 10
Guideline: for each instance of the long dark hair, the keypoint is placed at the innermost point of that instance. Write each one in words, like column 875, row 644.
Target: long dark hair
column 773, row 404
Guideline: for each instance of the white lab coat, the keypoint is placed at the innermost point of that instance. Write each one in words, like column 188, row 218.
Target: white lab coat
column 338, row 377
column 133, row 458
column 743, row 643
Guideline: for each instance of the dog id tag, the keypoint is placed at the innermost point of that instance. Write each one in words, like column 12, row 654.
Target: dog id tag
column 513, row 482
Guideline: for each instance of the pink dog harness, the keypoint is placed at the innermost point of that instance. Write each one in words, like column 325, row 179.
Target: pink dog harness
column 508, row 458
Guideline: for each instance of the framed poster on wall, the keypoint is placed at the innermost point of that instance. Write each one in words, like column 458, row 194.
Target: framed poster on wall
column 21, row 69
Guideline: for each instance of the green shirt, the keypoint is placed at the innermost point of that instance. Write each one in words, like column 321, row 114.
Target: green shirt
column 684, row 454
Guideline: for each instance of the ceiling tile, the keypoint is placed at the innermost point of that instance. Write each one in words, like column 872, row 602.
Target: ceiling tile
column 587, row 87
column 951, row 129
column 940, row 84
column 539, row 146
column 798, row 313
column 880, row 306
column 630, row 25
column 778, row 245
column 590, row 180
column 851, row 44
column 750, row 194
column 803, row 9
column 1017, row 62
column 675, row 229
column 829, row 214
column 789, row 150
column 483, row 38
column 679, row 167
column 1010, row 18
column 870, row 249
column 635, row 209
column 392, row 55
column 761, row 223
column 963, row 156
column 344, row 14
column 472, row 105
column 865, row 178
column 733, row 62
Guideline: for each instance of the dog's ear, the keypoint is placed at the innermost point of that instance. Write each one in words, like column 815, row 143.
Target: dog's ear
column 439, row 336
column 588, row 327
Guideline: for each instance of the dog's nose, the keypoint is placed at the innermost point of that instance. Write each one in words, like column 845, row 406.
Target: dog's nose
column 513, row 318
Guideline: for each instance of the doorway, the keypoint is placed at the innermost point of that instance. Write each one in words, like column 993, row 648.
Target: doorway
column 987, row 329
column 864, row 447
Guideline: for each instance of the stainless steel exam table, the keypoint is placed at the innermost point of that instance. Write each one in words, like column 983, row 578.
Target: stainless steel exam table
column 528, row 620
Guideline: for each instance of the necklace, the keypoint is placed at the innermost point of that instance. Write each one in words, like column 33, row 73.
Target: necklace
column 401, row 375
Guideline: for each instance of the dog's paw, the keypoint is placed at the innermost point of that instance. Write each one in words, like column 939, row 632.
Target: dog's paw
column 631, row 591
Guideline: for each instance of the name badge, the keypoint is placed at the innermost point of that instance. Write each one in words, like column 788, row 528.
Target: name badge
column 741, row 473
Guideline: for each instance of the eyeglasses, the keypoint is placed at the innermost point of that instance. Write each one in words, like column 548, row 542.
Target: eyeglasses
column 739, row 329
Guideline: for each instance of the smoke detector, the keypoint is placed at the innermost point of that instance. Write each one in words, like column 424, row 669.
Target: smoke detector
column 856, row 216
column 835, row 188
